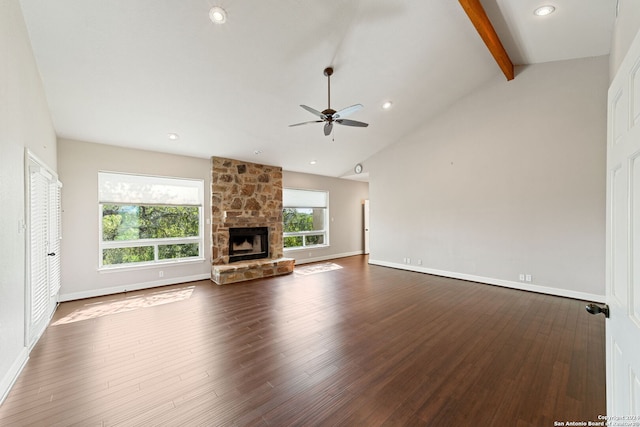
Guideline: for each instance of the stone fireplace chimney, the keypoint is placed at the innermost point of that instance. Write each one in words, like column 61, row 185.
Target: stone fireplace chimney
column 244, row 195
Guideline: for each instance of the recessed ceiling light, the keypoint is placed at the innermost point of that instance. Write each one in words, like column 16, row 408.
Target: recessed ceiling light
column 218, row 15
column 544, row 10
column 313, row 162
column 173, row 136
column 386, row 105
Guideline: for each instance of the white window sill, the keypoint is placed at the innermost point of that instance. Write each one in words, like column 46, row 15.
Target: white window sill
column 306, row 248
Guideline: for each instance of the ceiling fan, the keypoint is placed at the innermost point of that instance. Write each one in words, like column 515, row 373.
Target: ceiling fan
column 331, row 116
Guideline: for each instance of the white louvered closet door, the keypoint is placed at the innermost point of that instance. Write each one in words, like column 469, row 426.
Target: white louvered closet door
column 44, row 248
column 55, row 234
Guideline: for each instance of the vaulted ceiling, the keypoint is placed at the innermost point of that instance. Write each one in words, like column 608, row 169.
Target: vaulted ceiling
column 130, row 72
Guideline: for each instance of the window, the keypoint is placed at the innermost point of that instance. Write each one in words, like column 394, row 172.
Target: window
column 145, row 220
column 304, row 216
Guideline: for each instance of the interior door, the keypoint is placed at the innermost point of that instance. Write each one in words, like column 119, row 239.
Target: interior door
column 43, row 266
column 366, row 226
column 623, row 238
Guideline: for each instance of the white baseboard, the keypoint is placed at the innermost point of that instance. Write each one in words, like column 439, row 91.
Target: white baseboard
column 497, row 282
column 324, row 258
column 12, row 375
column 132, row 287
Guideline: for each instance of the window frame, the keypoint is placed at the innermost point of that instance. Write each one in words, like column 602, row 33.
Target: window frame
column 155, row 243
column 304, row 234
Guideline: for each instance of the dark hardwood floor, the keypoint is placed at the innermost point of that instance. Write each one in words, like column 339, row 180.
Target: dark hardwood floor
column 358, row 345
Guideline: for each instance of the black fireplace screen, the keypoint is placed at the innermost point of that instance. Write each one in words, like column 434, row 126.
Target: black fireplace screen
column 248, row 243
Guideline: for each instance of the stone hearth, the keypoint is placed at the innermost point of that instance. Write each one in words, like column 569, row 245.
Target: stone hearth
column 249, row 270
column 245, row 195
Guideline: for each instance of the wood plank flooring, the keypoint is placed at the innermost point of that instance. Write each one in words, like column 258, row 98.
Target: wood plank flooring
column 357, row 345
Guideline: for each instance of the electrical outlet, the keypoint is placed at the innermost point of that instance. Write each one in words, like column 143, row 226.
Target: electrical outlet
column 161, row 273
column 527, row 278
column 419, row 262
column 408, row 260
column 522, row 277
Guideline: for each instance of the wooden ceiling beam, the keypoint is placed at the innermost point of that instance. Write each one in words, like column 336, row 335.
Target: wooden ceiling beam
column 480, row 20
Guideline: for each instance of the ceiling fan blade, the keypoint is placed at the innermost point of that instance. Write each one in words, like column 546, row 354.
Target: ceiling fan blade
column 355, row 123
column 314, row 112
column 347, row 111
column 327, row 128
column 306, row 123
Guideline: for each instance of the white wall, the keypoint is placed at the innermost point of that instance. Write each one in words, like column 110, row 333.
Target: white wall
column 24, row 123
column 509, row 180
column 625, row 29
column 346, row 199
column 78, row 166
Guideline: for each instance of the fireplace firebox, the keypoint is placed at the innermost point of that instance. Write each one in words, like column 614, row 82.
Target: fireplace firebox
column 248, row 243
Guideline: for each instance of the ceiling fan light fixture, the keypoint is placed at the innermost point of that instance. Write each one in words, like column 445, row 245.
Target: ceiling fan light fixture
column 218, row 15
column 544, row 10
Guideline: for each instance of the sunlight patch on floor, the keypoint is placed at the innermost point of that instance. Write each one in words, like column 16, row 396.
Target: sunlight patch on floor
column 316, row 268
column 104, row 308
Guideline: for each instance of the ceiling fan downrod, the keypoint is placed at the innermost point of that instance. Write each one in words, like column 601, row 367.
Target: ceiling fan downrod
column 328, row 72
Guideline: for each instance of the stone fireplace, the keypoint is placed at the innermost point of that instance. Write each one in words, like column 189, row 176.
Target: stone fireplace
column 246, row 221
